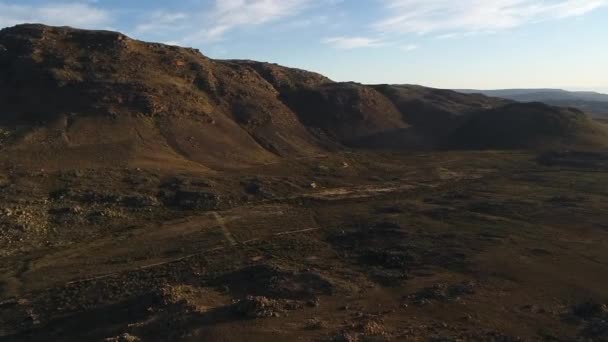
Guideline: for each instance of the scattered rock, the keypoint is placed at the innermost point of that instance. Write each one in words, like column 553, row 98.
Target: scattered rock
column 140, row 201
column 313, row 303
column 345, row 337
column 388, row 277
column 458, row 290
column 11, row 302
column 368, row 330
column 178, row 299
column 107, row 213
column 75, row 210
column 373, row 328
column 322, row 169
column 61, row 194
column 258, row 307
column 273, row 282
column 181, row 182
column 197, row 200
column 93, row 197
column 314, row 324
column 390, row 259
column 123, row 338
column 443, row 293
column 26, row 221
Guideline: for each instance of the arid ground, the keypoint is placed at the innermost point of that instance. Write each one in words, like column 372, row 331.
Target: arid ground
column 447, row 246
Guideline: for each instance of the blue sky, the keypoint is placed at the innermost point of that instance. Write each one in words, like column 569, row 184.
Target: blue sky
column 439, row 43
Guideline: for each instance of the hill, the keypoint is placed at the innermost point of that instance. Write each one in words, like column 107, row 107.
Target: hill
column 529, row 125
column 593, row 103
column 85, row 94
column 77, row 99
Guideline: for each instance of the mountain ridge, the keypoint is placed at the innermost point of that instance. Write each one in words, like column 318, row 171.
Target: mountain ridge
column 595, row 103
column 81, row 98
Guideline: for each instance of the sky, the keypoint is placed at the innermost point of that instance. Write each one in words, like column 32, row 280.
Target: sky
column 481, row 44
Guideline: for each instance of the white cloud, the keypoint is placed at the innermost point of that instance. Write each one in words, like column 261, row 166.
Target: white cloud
column 302, row 23
column 228, row 15
column 410, row 47
column 426, row 16
column 161, row 21
column 61, row 14
column 352, row 42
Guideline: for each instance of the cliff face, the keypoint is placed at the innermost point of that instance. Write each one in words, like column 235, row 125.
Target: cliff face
column 87, row 98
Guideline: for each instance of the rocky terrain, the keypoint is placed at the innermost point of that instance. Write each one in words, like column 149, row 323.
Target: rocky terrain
column 150, row 193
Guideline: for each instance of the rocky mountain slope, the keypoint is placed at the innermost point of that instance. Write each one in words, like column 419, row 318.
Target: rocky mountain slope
column 88, row 92
column 77, row 98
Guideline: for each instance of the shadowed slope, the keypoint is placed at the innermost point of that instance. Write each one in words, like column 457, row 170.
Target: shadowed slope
column 346, row 111
column 436, row 111
column 531, row 125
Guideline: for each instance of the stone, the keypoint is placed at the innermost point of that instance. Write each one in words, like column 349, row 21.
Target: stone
column 140, row 201
column 257, row 307
column 196, row 199
column 123, row 338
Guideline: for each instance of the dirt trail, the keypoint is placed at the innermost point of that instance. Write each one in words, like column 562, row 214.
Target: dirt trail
column 342, row 193
column 224, row 228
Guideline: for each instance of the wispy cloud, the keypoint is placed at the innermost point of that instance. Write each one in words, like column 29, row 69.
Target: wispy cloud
column 454, row 19
column 428, row 16
column 228, row 15
column 352, row 42
column 71, row 14
column 409, row 47
column 161, row 21
column 306, row 22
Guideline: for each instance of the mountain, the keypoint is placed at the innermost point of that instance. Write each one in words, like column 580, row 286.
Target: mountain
column 77, row 99
column 87, row 96
column 527, row 125
column 594, row 103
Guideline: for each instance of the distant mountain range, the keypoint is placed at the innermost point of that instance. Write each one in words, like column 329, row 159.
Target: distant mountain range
column 593, row 103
